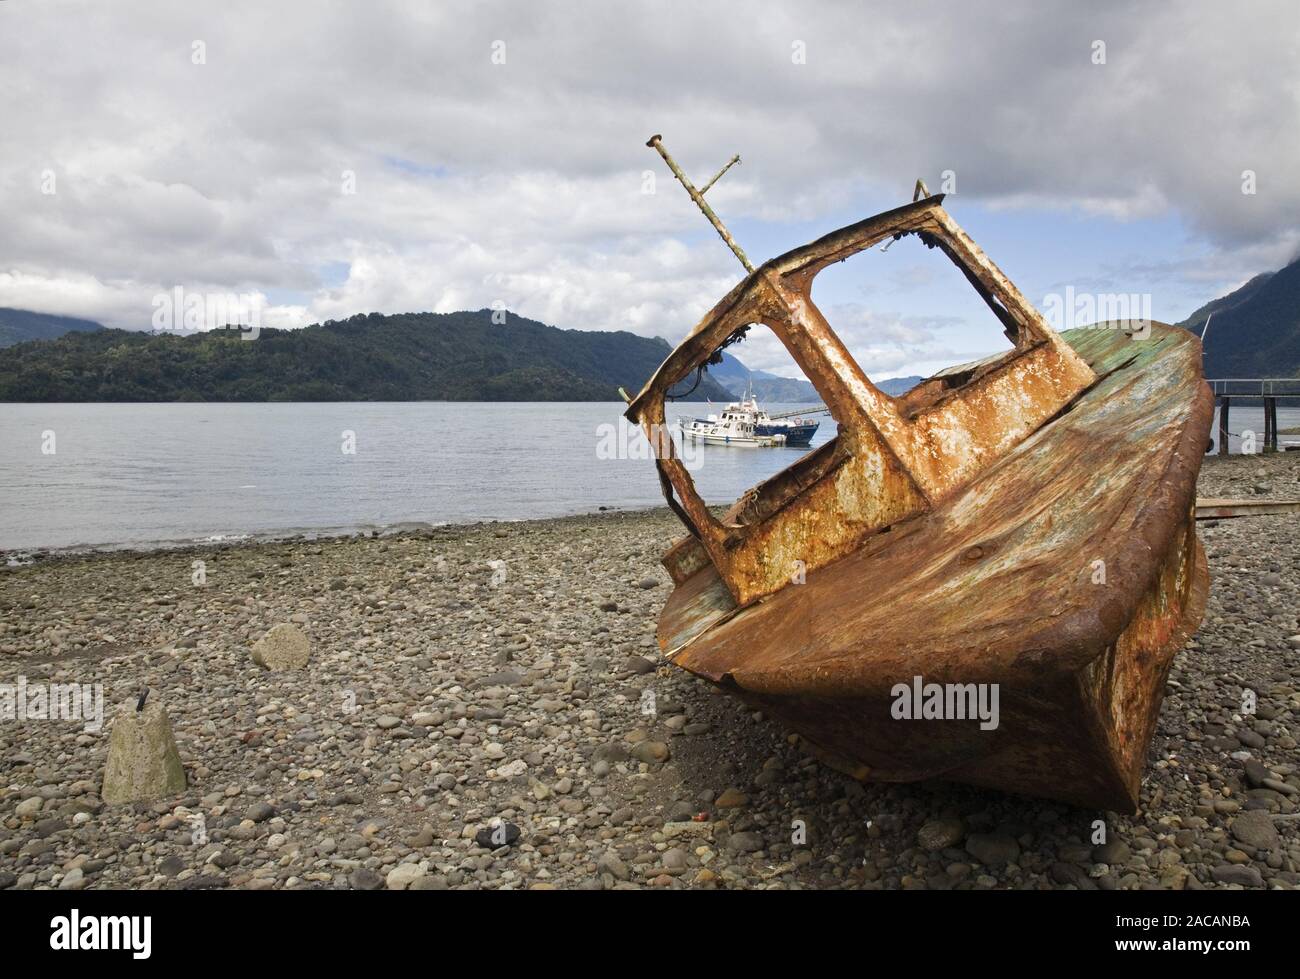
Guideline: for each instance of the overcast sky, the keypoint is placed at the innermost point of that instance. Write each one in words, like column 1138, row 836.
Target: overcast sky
column 497, row 154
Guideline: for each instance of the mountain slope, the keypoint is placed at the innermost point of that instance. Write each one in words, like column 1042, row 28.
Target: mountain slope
column 736, row 377
column 20, row 325
column 786, row 390
column 407, row 357
column 1255, row 331
column 1196, row 321
column 899, row 385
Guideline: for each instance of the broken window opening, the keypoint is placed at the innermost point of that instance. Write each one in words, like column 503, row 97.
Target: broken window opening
column 946, row 328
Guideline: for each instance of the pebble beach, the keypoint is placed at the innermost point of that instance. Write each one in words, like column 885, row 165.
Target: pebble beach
column 484, row 707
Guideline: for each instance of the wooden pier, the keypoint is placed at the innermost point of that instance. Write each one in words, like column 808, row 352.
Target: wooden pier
column 1269, row 390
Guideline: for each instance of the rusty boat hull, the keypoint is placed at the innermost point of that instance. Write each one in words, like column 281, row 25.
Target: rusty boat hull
column 998, row 586
column 1024, row 525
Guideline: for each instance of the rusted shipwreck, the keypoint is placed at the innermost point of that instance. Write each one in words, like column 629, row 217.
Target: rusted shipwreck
column 1027, row 521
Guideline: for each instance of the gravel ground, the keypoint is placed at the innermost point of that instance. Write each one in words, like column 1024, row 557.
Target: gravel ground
column 498, row 672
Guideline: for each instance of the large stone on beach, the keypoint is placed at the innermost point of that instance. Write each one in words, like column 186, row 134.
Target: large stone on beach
column 1255, row 828
column 731, row 799
column 401, row 877
column 283, row 648
column 939, row 834
column 650, row 752
column 1233, row 874
column 143, row 763
column 993, row 849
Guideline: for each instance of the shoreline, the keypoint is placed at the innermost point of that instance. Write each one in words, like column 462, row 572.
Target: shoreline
column 32, row 555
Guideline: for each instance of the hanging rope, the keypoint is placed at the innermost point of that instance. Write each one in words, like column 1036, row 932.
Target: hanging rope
column 699, row 376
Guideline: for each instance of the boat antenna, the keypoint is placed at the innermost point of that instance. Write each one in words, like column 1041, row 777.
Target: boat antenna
column 1206, row 328
column 656, row 142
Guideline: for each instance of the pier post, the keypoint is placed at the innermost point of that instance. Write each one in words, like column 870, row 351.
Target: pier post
column 1270, row 424
column 1224, row 401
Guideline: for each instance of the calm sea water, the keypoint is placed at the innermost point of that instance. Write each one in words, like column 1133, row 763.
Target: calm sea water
column 153, row 474
column 1242, row 420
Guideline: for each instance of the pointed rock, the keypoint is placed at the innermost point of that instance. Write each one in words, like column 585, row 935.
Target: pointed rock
column 143, row 763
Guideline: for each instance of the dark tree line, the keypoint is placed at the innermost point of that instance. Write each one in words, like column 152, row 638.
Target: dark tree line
column 407, row 357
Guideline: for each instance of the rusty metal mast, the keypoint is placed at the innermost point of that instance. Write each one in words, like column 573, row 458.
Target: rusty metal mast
column 656, row 142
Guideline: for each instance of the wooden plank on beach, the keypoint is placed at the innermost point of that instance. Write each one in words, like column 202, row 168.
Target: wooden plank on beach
column 1213, row 508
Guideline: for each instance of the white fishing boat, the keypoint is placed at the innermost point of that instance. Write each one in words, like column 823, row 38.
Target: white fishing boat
column 798, row 431
column 735, row 426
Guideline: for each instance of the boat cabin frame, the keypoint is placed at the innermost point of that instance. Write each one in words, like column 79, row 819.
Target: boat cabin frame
column 893, row 457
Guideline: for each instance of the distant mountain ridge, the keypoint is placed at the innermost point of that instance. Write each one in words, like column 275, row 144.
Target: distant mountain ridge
column 736, row 377
column 774, row 388
column 899, row 385
column 405, row 357
column 21, row 325
column 1254, row 330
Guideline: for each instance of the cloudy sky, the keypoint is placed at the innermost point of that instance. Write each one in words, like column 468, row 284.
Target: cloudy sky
column 336, row 158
